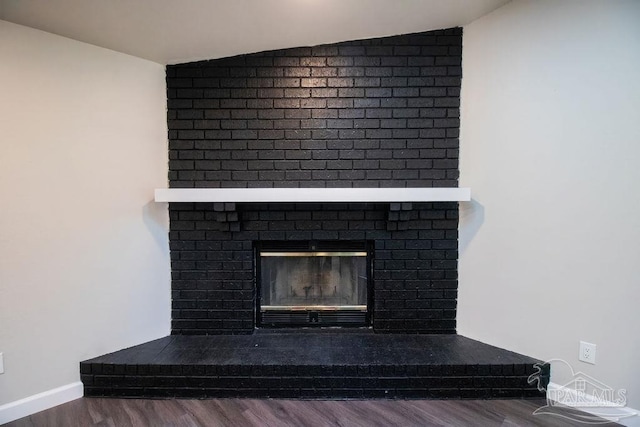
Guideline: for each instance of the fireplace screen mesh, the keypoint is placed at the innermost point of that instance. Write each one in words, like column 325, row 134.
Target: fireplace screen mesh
column 314, row 280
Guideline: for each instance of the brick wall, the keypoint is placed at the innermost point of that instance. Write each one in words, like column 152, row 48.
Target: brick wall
column 374, row 113
column 414, row 269
column 382, row 112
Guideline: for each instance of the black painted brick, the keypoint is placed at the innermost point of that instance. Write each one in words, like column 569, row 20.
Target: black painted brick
column 408, row 84
column 372, row 113
column 220, row 309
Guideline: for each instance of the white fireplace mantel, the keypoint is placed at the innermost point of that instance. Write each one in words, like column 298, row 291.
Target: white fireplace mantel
column 312, row 195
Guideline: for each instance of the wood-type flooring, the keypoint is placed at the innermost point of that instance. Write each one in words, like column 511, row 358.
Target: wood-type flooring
column 273, row 412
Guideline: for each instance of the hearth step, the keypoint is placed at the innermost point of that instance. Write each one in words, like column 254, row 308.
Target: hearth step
column 313, row 365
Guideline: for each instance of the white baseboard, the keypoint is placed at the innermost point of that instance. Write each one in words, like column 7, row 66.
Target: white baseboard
column 39, row 402
column 628, row 417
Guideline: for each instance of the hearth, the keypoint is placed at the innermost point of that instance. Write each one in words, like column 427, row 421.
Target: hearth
column 313, row 284
column 316, row 363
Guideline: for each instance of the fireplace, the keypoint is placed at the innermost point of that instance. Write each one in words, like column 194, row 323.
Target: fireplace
column 313, row 284
column 369, row 114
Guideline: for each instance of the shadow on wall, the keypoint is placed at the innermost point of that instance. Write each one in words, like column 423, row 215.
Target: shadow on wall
column 471, row 219
column 155, row 218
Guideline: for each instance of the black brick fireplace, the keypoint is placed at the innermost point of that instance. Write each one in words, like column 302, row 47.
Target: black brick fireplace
column 373, row 113
column 381, row 113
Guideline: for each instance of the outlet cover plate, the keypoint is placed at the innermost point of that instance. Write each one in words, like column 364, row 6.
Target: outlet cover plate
column 1, row 363
column 587, row 352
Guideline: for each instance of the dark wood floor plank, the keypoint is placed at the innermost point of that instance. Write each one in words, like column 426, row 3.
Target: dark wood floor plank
column 22, row 422
column 114, row 413
column 268, row 414
column 231, row 412
column 96, row 410
column 348, row 413
column 138, row 412
column 315, row 414
column 388, row 413
column 147, row 412
column 104, row 412
column 203, row 412
column 519, row 413
column 427, row 414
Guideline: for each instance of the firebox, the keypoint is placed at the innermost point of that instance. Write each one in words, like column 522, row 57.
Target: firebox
column 313, row 284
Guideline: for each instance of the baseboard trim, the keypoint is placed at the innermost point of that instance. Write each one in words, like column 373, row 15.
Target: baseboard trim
column 39, row 402
column 629, row 417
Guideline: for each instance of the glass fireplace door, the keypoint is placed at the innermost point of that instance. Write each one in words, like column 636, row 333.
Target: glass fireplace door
column 313, row 288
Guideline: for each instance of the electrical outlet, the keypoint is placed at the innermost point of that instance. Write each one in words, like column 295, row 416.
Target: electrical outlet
column 1, row 364
column 587, row 352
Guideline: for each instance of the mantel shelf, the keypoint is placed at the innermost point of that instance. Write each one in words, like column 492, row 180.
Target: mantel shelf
column 312, row 195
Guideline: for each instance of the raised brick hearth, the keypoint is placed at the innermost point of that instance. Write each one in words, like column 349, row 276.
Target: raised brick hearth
column 313, row 364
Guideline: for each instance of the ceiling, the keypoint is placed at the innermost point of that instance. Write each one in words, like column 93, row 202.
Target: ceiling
column 176, row 31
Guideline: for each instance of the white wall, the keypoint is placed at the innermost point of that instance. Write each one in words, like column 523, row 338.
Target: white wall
column 84, row 266
column 550, row 146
